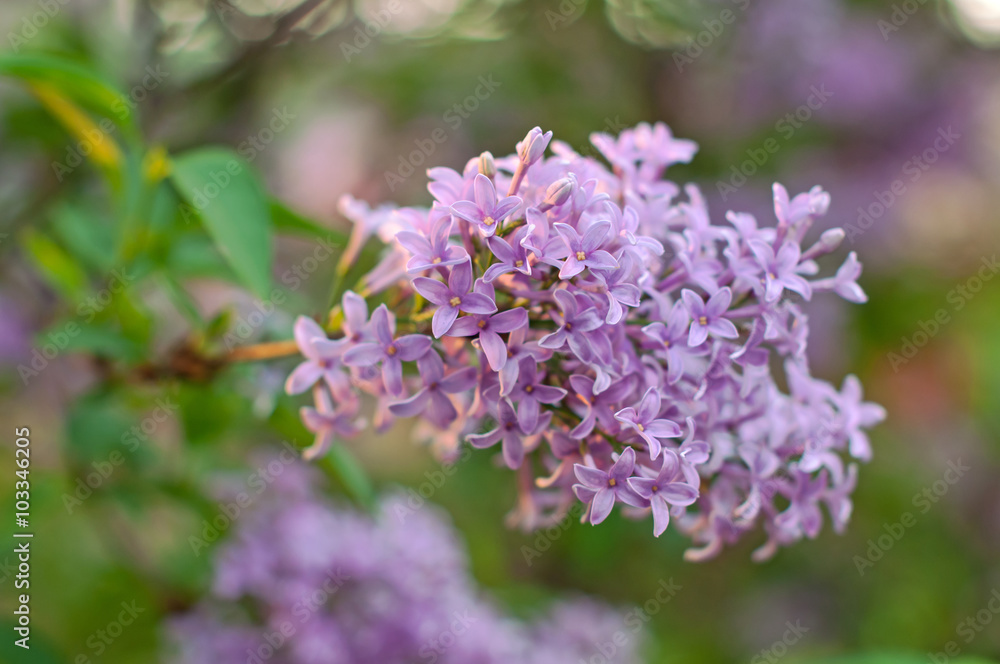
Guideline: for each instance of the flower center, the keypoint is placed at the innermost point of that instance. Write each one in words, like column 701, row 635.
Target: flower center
column 391, row 350
column 482, row 324
column 437, row 259
column 612, row 482
column 654, row 488
column 519, row 263
column 569, row 327
column 771, row 275
column 455, row 301
column 488, row 220
column 581, row 256
column 666, row 344
column 703, row 320
column 640, row 427
column 529, row 389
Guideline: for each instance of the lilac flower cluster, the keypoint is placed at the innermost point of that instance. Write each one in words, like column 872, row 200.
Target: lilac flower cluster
column 614, row 342
column 304, row 582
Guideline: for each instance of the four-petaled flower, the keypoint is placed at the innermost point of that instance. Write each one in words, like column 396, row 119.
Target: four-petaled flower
column 573, row 323
column 585, row 251
column 508, row 430
column 322, row 362
column 387, row 350
column 453, row 297
column 673, row 338
column 432, row 400
column 708, row 318
column 487, row 213
column 513, row 256
column 601, row 488
column 326, row 422
column 780, row 270
column 489, row 328
column 665, row 490
column 645, row 420
column 530, row 391
column 431, row 250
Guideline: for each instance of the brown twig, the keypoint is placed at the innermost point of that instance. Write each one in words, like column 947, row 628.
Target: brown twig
column 264, row 351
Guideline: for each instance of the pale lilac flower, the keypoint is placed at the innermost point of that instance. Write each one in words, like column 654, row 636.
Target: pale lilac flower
column 391, row 352
column 487, row 213
column 322, row 359
column 574, row 322
column 708, row 318
column 432, row 400
column 513, row 256
column 857, row 414
column 664, row 490
column 602, row 488
column 673, row 339
column 530, row 392
column 646, row 421
column 489, row 328
column 327, row 422
column 585, row 251
column 509, row 431
column 598, row 405
column 780, row 270
column 453, row 297
column 433, row 250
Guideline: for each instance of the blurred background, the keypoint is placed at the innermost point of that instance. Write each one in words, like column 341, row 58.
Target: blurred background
column 112, row 296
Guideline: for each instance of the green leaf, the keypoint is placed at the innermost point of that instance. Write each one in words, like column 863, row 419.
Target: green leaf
column 76, row 81
column 219, row 185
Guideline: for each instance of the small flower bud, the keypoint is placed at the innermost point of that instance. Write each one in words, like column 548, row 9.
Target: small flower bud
column 827, row 242
column 558, row 192
column 487, row 166
column 533, row 146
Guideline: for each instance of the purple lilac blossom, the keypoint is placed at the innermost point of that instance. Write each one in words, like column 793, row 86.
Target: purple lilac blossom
column 595, row 310
column 339, row 587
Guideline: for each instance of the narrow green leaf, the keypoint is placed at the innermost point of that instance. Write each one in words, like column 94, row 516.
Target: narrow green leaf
column 75, row 80
column 223, row 191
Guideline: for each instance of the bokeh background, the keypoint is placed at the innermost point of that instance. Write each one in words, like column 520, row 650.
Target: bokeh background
column 893, row 107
